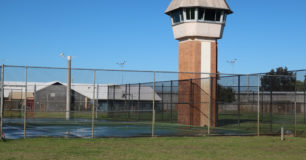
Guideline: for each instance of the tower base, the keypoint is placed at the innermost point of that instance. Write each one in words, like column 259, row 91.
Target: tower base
column 197, row 93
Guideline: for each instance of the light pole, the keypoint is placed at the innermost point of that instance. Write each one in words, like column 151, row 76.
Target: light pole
column 233, row 62
column 121, row 64
column 68, row 92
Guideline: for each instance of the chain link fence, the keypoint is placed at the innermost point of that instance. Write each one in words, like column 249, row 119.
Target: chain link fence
column 117, row 103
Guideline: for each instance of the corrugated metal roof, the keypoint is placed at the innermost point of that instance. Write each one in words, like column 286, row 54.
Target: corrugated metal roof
column 101, row 91
column 84, row 89
column 132, row 93
column 13, row 86
column 218, row 4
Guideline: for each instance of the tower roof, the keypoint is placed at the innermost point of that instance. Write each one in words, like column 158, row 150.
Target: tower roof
column 217, row 4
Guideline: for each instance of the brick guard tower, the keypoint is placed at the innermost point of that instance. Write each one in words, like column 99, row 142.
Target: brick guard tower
column 197, row 25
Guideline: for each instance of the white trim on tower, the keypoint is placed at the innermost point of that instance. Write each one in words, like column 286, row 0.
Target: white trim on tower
column 205, row 58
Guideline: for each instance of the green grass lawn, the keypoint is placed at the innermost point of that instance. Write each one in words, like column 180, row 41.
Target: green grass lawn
column 185, row 148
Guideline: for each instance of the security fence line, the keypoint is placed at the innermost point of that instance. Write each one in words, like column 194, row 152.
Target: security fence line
column 233, row 91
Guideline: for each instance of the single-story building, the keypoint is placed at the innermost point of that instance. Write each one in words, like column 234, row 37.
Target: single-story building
column 51, row 97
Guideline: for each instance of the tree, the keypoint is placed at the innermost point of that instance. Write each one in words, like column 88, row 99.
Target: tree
column 278, row 80
column 300, row 86
column 226, row 94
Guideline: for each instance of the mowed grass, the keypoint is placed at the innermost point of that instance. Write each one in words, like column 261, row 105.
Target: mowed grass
column 178, row 148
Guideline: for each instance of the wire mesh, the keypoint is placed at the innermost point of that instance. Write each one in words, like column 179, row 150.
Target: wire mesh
column 237, row 104
column 117, row 103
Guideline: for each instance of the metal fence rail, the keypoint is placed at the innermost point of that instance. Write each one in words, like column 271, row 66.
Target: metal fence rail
column 119, row 103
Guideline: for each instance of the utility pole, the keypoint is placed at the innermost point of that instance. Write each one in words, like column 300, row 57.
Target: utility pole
column 68, row 91
column 68, row 94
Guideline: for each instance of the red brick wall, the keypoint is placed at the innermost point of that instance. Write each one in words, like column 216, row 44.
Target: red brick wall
column 189, row 107
column 189, row 61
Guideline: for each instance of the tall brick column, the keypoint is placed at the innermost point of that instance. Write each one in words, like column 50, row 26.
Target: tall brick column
column 197, row 93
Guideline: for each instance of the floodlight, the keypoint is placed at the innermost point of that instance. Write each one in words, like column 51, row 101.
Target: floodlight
column 62, row 55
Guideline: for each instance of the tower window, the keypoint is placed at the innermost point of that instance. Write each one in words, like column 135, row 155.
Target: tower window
column 198, row 14
column 181, row 15
column 218, row 16
column 210, row 15
column 190, row 13
column 224, row 17
column 177, row 16
column 201, row 12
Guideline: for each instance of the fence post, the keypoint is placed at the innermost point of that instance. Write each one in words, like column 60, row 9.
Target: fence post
column 108, row 104
column 171, row 99
column 262, row 106
column 35, row 99
column 190, row 103
column 162, row 103
column 249, row 84
column 25, row 106
column 271, row 105
column 125, row 94
column 138, row 105
column 93, row 106
column 68, row 92
column 258, row 106
column 97, row 97
column 305, row 99
column 209, row 103
column 238, row 101
column 129, row 104
column 295, row 105
column 153, row 106
column 2, row 100
column 114, row 101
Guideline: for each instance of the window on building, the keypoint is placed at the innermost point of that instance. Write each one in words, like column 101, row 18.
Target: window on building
column 190, row 13
column 210, row 15
column 198, row 14
column 176, row 16
column 224, row 17
column 201, row 12
column 218, row 16
column 181, row 15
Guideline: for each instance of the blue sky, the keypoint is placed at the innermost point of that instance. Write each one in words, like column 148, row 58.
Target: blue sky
column 261, row 34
